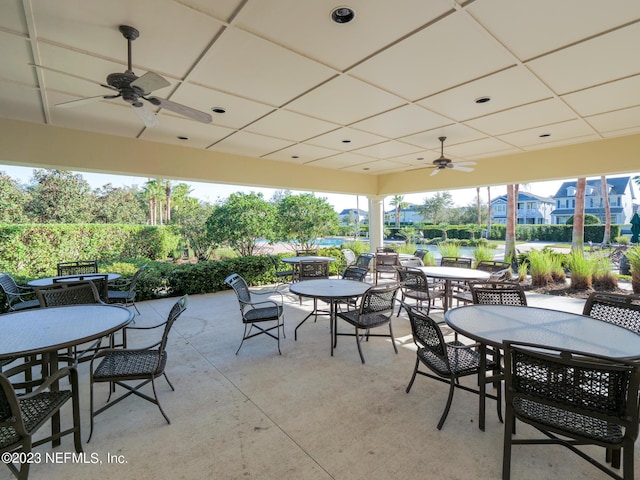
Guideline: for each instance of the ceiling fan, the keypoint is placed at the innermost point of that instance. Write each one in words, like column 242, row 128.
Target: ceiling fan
column 442, row 162
column 133, row 89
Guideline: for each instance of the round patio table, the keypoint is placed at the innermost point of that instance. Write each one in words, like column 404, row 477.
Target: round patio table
column 330, row 290
column 453, row 273
column 492, row 324
column 44, row 331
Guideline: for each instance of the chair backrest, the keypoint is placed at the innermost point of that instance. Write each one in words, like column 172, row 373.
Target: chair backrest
column 355, row 273
column 413, row 278
column 427, row 334
column 10, row 413
column 387, row 260
column 621, row 310
column 134, row 279
column 68, row 293
column 349, row 256
column 385, row 249
column 307, row 252
column 492, row 266
column 411, row 262
column 460, row 262
column 497, row 293
column 571, row 391
column 101, row 281
column 379, row 299
column 241, row 288
column 313, row 269
column 10, row 288
column 177, row 309
column 79, row 267
column 364, row 260
column 420, row 254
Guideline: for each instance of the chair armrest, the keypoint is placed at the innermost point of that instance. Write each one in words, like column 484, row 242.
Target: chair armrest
column 270, row 292
column 62, row 372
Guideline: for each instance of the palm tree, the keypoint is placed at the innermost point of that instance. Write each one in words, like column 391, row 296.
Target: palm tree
column 478, row 206
column 489, row 216
column 398, row 202
column 577, row 243
column 606, row 239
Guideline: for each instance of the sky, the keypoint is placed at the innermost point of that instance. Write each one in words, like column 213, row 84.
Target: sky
column 211, row 192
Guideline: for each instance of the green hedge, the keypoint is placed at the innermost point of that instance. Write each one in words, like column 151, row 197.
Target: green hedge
column 34, row 251
column 554, row 233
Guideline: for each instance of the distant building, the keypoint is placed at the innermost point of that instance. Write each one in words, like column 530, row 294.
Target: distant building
column 410, row 214
column 352, row 214
column 532, row 209
column 621, row 200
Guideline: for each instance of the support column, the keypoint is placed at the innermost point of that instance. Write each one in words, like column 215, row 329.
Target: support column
column 376, row 222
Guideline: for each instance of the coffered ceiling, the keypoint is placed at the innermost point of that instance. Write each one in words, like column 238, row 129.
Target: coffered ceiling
column 369, row 97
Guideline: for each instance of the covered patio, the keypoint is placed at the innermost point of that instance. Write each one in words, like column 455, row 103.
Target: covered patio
column 302, row 414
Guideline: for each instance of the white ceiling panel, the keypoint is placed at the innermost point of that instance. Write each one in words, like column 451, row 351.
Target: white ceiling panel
column 245, row 65
column 505, row 89
column 342, row 161
column 388, row 149
column 530, row 29
column 591, row 62
column 301, row 153
column 527, row 116
column 199, row 135
column 290, row 126
column 605, row 98
column 436, row 64
column 344, row 100
column 618, row 120
column 548, row 134
column 251, row 144
column 325, row 40
column 402, row 121
column 21, row 103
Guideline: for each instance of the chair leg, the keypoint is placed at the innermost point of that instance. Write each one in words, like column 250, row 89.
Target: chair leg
column 509, row 428
column 452, row 387
column 244, row 335
column 393, row 340
column 413, row 377
column 359, row 347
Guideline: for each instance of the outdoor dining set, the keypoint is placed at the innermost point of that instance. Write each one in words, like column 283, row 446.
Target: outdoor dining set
column 573, row 377
column 75, row 317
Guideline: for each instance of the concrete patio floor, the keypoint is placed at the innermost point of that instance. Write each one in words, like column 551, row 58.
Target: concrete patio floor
column 299, row 415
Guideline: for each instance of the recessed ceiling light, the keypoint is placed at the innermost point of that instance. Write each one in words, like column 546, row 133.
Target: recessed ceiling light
column 182, row 137
column 346, row 141
column 218, row 110
column 482, row 99
column 295, row 156
column 342, row 14
column 545, row 135
column 366, row 168
column 420, row 158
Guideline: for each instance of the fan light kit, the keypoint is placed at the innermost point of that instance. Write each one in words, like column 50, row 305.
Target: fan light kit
column 133, row 89
column 442, row 162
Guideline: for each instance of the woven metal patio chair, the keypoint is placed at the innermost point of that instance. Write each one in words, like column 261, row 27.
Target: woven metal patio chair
column 619, row 309
column 23, row 416
column 375, row 310
column 448, row 361
column 312, row 270
column 124, row 292
column 386, row 264
column 263, row 316
column 460, row 262
column 18, row 297
column 416, row 286
column 573, row 399
column 307, row 252
column 356, row 274
column 117, row 366
column 101, row 282
column 80, row 267
column 497, row 293
column 282, row 276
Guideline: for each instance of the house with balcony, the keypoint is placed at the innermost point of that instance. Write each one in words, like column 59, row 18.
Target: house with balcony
column 408, row 215
column 621, row 193
column 532, row 209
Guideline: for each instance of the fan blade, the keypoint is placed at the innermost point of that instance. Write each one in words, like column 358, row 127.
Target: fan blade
column 462, row 169
column 181, row 109
column 82, row 101
column 465, row 164
column 149, row 82
column 435, row 172
column 73, row 76
column 146, row 115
